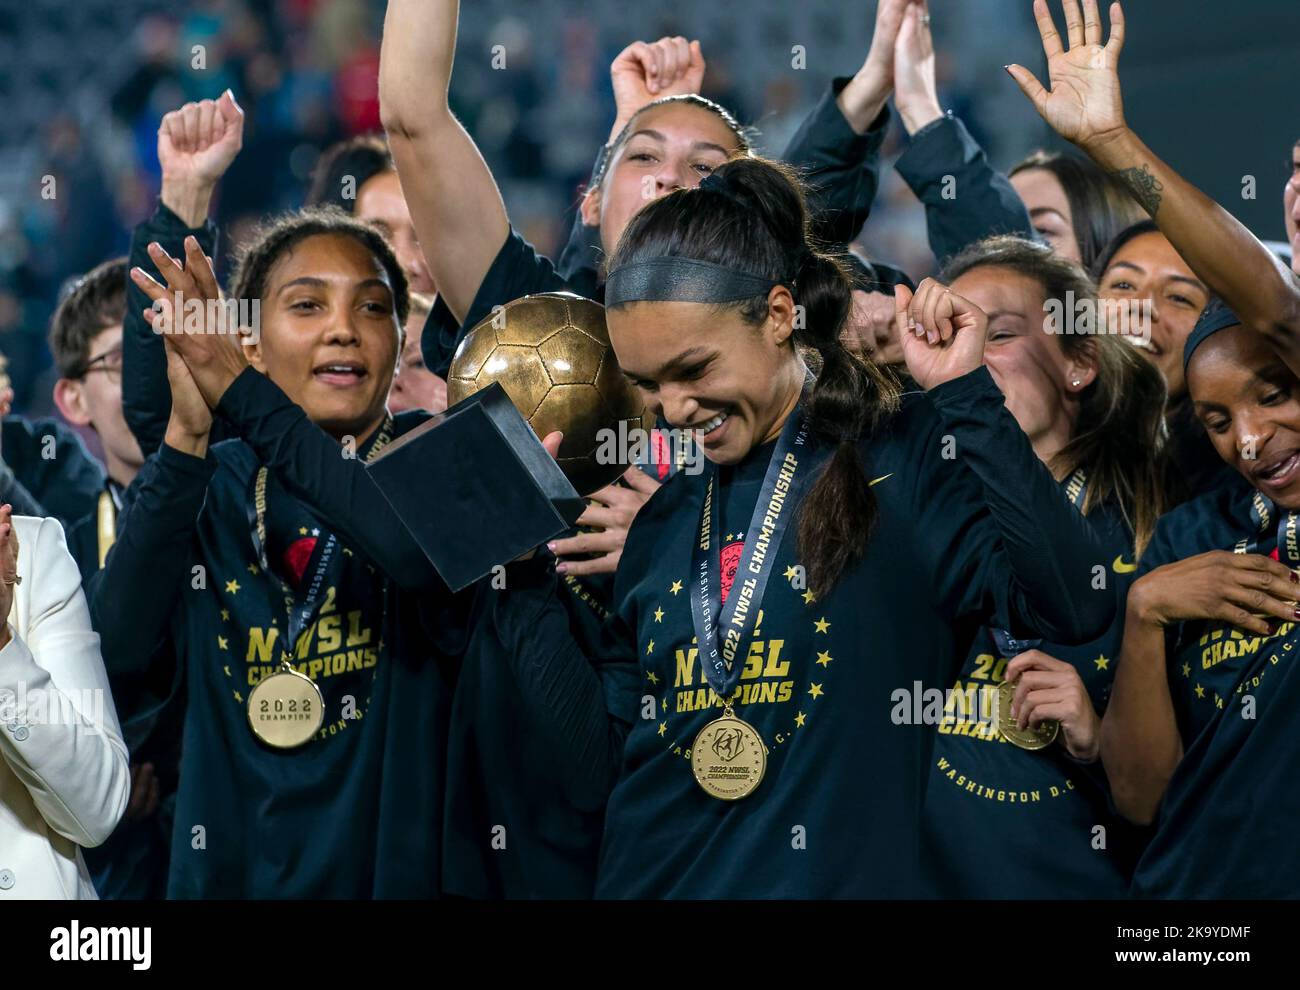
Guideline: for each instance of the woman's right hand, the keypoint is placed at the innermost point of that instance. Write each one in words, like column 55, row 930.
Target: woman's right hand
column 942, row 334
column 916, row 95
column 1230, row 587
column 196, row 145
column 644, row 72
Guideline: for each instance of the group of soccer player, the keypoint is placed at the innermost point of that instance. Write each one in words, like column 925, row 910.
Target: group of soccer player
column 1081, row 538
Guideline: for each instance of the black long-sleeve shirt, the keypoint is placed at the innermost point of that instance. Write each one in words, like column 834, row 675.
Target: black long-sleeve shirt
column 965, row 198
column 840, row 166
column 146, row 396
column 958, row 543
column 356, row 811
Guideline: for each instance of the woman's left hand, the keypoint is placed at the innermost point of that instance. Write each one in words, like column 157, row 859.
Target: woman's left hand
column 614, row 509
column 1048, row 688
column 8, row 569
column 215, row 356
column 942, row 333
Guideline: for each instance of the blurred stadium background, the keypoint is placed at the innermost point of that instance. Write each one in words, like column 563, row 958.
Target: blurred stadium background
column 84, row 83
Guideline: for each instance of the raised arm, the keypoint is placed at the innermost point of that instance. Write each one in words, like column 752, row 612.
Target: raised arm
column 1085, row 106
column 640, row 74
column 457, row 209
column 196, row 145
column 837, row 147
column 1043, row 583
column 155, row 543
column 965, row 198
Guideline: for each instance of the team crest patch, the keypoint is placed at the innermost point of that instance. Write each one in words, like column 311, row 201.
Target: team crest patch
column 730, row 557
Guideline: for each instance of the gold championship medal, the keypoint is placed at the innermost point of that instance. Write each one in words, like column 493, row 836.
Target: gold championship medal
column 286, row 709
column 1028, row 738
column 728, row 757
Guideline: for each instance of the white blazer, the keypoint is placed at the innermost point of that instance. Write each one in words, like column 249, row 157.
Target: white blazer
column 64, row 776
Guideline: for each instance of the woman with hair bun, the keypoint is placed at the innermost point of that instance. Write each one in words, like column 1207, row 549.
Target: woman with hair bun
column 756, row 706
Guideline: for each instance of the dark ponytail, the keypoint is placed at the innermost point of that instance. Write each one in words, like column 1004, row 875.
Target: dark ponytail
column 751, row 215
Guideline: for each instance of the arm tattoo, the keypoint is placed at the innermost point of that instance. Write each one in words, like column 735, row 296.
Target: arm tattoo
column 1144, row 186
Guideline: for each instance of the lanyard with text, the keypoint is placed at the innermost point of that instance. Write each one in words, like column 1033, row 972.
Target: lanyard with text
column 1262, row 510
column 286, row 709
column 721, row 630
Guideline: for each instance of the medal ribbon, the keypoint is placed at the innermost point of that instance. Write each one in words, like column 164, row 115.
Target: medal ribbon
column 788, row 474
column 300, row 613
column 1262, row 510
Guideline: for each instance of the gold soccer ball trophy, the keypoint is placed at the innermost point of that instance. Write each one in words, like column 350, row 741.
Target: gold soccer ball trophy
column 551, row 353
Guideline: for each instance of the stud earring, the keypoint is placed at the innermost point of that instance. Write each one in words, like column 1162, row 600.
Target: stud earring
column 1077, row 382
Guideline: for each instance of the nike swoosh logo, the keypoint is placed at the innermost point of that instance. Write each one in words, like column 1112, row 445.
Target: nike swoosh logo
column 1119, row 567
column 880, row 479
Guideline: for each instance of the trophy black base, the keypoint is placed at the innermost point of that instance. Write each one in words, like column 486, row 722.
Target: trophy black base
column 475, row 487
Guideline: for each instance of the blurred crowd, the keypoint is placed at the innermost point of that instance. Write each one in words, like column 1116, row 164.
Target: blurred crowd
column 79, row 167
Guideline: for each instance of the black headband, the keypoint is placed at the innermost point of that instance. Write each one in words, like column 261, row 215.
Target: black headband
column 674, row 279
column 1215, row 317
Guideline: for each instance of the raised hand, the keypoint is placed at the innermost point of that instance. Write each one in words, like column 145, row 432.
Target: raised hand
column 942, row 334
column 647, row 71
column 613, row 512
column 864, row 97
column 196, row 144
column 1084, row 104
column 916, row 95
column 1048, row 689
column 215, row 356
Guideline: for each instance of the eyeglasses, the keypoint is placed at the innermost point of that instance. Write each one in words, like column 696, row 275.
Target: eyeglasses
column 110, row 362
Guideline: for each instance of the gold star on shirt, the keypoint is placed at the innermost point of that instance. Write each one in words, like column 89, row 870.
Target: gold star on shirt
column 659, row 614
column 302, row 530
column 676, row 587
column 663, row 727
column 1102, row 661
column 808, row 598
column 238, row 697
column 225, row 615
column 791, row 572
column 227, row 670
column 1187, row 670
column 824, row 658
column 651, row 677
column 252, row 569
column 799, row 719
column 1218, row 702
column 222, row 643
column 650, row 648
column 822, row 625
column 347, row 552
column 816, row 691
column 1200, row 691
column 232, row 587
